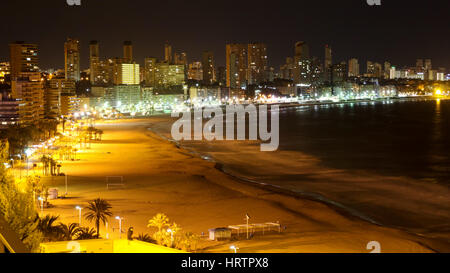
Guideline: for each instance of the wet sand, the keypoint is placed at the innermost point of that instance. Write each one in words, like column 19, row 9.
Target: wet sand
column 160, row 177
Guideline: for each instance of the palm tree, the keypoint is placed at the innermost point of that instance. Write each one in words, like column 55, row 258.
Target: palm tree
column 100, row 133
column 50, row 231
column 159, row 221
column 85, row 233
column 45, row 162
column 189, row 241
column 145, row 238
column 98, row 211
column 68, row 232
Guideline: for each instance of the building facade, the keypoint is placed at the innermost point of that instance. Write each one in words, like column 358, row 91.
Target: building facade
column 257, row 63
column 23, row 58
column 209, row 75
column 236, row 62
column 72, row 59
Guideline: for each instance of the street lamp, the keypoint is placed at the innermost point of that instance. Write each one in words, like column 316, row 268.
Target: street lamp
column 171, row 236
column 234, row 248
column 120, row 226
column 42, row 203
column 28, row 152
column 79, row 214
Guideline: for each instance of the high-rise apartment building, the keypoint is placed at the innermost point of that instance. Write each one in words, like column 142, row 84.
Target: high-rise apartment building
column 127, row 52
column 419, row 65
column 287, row 70
column 168, row 53
column 339, row 72
column 149, row 71
column 95, row 65
column 221, row 75
column 236, row 61
column 374, row 70
column 302, row 64
column 23, row 58
column 26, row 84
column 55, row 89
column 328, row 63
column 195, row 71
column 208, row 67
column 72, row 59
column 353, row 68
column 29, row 90
column 428, row 65
column 328, row 57
column 127, row 74
column 169, row 75
column 5, row 71
column 387, row 70
column 301, row 51
column 257, row 68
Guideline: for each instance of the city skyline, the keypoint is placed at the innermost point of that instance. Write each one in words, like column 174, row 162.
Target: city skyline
column 317, row 27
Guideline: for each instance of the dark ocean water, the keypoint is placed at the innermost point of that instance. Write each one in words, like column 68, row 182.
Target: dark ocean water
column 408, row 138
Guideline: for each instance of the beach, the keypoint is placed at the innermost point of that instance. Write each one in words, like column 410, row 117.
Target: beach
column 161, row 177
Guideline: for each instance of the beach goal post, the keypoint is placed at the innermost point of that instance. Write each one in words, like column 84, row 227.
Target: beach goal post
column 114, row 182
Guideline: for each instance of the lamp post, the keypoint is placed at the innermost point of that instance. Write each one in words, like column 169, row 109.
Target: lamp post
column 65, row 177
column 120, row 226
column 234, row 248
column 79, row 214
column 42, row 203
column 28, row 152
column 171, row 236
column 247, row 217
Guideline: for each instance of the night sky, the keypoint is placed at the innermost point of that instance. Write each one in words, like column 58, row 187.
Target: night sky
column 399, row 30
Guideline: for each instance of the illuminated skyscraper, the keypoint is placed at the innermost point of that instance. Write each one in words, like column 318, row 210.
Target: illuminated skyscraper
column 128, row 74
column 208, row 67
column 236, row 61
column 72, row 59
column 28, row 88
column 26, row 83
column 353, row 68
column 23, row 58
column 257, row 63
column 169, row 75
column 302, row 64
column 149, row 71
column 94, row 63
